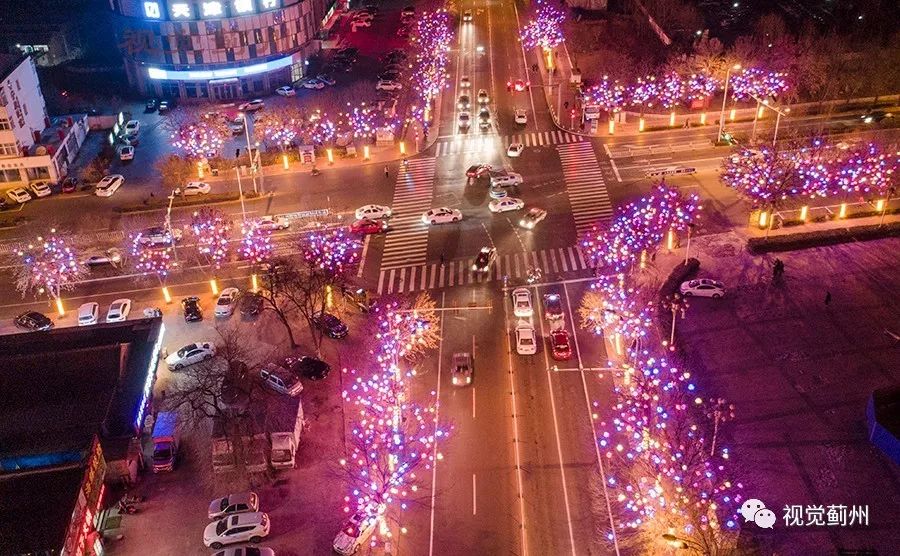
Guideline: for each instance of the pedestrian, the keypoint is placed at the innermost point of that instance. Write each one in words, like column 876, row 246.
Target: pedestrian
column 566, row 104
column 442, row 259
column 386, row 173
column 827, row 299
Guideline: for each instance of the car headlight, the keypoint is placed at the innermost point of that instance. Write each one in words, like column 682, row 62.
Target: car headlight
column 468, row 380
column 454, row 380
column 474, row 267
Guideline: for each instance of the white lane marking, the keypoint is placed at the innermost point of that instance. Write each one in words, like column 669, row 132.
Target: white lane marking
column 362, row 256
column 587, row 401
column 437, row 411
column 615, row 170
column 474, row 496
column 562, row 468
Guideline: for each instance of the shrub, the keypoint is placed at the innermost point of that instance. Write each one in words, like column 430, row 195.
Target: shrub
column 820, row 238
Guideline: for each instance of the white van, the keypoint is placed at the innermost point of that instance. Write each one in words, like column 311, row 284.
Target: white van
column 88, row 314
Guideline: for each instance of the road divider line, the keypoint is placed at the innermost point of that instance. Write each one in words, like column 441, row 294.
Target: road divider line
column 615, row 169
column 474, row 496
column 518, row 457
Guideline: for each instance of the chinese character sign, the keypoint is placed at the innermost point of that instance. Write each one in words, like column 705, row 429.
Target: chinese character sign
column 180, row 10
column 152, row 10
column 242, row 6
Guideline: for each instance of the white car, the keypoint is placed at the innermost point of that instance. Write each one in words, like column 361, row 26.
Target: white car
column 373, row 212
column 514, row 150
column 132, row 128
column 227, row 301
column 483, row 97
column 274, row 222
column 190, row 354
column 248, row 551
column 194, row 188
column 441, row 215
column 252, row 106
column 109, row 185
column 233, row 504
column 88, row 313
column 464, row 120
column 465, row 82
column 312, row 83
column 526, row 344
column 532, row 218
column 703, row 287
column 19, row 195
column 40, row 189
column 286, row 91
column 521, row 298
column 385, row 85
column 249, row 526
column 506, row 204
column 118, row 310
column 507, row 179
column 126, row 152
column 112, row 256
column 521, row 116
column 354, row 533
column 158, row 235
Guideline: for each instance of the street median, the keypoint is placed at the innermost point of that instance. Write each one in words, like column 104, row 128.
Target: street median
column 834, row 236
column 161, row 203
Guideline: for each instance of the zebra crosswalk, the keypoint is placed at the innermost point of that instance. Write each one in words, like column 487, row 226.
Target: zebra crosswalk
column 413, row 278
column 407, row 240
column 474, row 144
column 585, row 186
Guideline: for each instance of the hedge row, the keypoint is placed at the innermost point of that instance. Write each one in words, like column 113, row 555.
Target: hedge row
column 835, row 236
column 158, row 203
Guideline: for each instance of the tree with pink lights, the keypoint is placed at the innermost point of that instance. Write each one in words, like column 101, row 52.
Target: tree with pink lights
column 431, row 40
column 672, row 90
column 544, row 29
column 280, row 126
column 617, row 309
column 195, row 133
column 212, row 231
column 701, row 86
column 256, row 242
column 758, row 84
column 643, row 93
column 608, row 95
column 149, row 260
column 49, row 266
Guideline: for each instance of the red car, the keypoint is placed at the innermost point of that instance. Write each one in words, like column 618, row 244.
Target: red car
column 478, row 170
column 70, row 184
column 517, row 85
column 365, row 226
column 561, row 348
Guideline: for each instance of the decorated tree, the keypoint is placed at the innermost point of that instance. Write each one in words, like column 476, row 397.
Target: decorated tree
column 280, row 126
column 256, row 242
column 407, row 328
column 199, row 135
column 618, row 310
column 757, row 83
column 608, row 95
column 431, row 40
column 49, row 266
column 672, row 90
column 212, row 231
column 148, row 260
column 643, row 93
column 544, row 29
column 334, row 252
column 701, row 86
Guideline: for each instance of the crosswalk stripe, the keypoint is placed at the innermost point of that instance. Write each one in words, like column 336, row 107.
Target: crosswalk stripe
column 406, row 242
column 427, row 276
column 585, row 186
column 474, row 144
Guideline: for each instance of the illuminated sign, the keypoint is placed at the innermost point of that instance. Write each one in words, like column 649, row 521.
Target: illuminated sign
column 212, row 9
column 151, row 376
column 268, row 4
column 200, row 75
column 152, row 10
column 242, row 6
column 180, row 10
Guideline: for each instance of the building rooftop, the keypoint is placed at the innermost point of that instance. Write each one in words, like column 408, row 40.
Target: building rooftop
column 54, row 134
column 59, row 388
column 9, row 62
column 37, row 508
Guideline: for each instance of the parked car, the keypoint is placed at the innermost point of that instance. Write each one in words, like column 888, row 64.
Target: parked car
column 111, row 256
column 19, row 195
column 151, row 105
column 373, row 212
column 312, row 83
column 326, row 79
column 532, row 218
column 190, row 354
column 190, row 306
column 118, row 310
column 132, row 128
column 461, row 369
column 70, row 184
column 126, row 152
column 88, row 313
column 286, row 91
column 497, row 192
column 158, row 235
column 165, row 105
column 506, row 204
column 703, row 287
column 521, row 298
column 365, row 226
column 227, row 301
column 32, row 320
column 250, row 526
column 331, row 325
column 388, row 86
column 40, row 189
column 526, row 343
column 560, row 347
column 441, row 215
column 109, row 185
column 308, row 367
column 553, row 306
column 193, row 188
column 354, row 533
column 252, row 106
column 274, row 222
column 515, row 150
column 233, row 504
column 251, row 304
column 280, row 379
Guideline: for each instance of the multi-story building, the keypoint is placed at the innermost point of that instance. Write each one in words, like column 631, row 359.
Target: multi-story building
column 217, row 49
column 32, row 145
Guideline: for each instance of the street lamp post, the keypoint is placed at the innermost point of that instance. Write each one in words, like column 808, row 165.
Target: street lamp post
column 249, row 151
column 237, row 172
column 724, row 99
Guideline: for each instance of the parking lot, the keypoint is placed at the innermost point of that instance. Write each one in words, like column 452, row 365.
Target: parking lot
column 799, row 372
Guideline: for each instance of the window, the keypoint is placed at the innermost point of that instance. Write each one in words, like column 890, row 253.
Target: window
column 10, row 175
column 4, row 124
column 8, row 149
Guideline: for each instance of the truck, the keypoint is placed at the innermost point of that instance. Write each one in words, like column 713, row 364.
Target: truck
column 165, row 441
column 285, row 429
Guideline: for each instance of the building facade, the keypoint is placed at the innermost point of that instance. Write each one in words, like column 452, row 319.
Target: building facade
column 216, row 49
